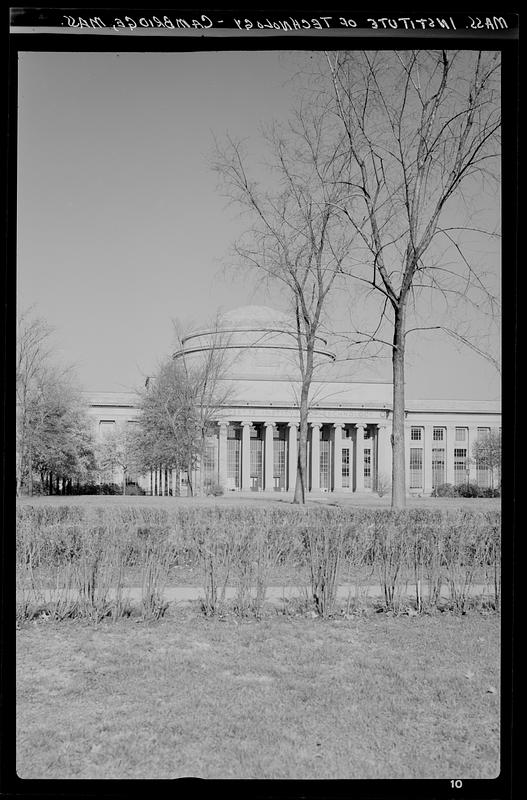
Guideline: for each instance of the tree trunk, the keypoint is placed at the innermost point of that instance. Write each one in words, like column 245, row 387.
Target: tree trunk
column 398, row 438
column 30, row 472
column 190, row 492
column 301, row 475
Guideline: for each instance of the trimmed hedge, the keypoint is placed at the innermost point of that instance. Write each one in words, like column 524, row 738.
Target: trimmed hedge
column 83, row 552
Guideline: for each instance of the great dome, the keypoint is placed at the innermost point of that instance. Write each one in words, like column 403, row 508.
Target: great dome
column 251, row 317
column 255, row 341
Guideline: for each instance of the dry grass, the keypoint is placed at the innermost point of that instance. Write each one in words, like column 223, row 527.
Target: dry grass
column 379, row 697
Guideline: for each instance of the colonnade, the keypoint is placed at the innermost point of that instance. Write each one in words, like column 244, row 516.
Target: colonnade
column 327, row 471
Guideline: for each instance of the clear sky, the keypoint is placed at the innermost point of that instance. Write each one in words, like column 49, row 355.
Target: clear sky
column 121, row 227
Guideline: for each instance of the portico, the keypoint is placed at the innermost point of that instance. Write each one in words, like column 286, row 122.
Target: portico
column 261, row 455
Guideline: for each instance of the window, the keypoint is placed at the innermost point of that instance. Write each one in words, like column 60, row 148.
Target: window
column 439, row 434
column 461, row 434
column 256, row 457
column 460, row 464
column 438, row 466
column 345, row 467
column 233, row 459
column 279, row 459
column 209, row 464
column 367, row 467
column 416, row 468
column 416, row 434
column 483, row 433
column 324, row 464
column 482, row 476
column 367, row 433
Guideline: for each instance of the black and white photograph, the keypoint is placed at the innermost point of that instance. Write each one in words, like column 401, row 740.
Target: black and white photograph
column 259, row 318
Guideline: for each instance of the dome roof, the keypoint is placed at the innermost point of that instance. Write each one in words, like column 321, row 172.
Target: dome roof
column 255, row 317
column 256, row 340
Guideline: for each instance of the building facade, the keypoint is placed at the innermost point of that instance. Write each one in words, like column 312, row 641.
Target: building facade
column 254, row 445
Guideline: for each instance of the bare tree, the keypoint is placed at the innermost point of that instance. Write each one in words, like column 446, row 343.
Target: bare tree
column 295, row 237
column 415, row 137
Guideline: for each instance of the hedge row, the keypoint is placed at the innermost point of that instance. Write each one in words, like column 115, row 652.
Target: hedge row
column 84, row 553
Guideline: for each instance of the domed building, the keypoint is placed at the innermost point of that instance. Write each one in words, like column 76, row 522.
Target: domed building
column 255, row 444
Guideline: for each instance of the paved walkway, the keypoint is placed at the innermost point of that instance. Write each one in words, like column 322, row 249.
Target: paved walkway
column 276, row 594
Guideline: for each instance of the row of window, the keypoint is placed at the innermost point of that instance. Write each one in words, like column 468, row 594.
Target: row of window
column 416, row 433
column 439, row 434
column 461, row 468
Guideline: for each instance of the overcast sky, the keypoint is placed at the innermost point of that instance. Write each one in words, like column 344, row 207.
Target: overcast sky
column 121, row 227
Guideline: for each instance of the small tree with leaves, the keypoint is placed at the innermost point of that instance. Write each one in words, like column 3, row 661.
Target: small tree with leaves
column 486, row 452
column 180, row 407
column 120, row 449
column 54, row 435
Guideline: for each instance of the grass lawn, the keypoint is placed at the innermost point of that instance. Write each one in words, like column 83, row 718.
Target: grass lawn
column 376, row 697
column 342, row 500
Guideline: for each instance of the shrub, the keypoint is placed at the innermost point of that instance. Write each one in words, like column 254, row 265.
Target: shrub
column 445, row 490
column 384, row 484
column 488, row 492
column 468, row 490
column 134, row 489
column 81, row 553
column 109, row 488
column 214, row 490
column 324, row 543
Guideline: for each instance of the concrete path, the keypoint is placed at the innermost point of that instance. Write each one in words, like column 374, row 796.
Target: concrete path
column 277, row 594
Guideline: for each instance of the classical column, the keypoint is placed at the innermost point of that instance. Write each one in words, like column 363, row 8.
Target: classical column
column 315, row 456
column 337, row 456
column 175, row 479
column 383, row 466
column 427, row 459
column 246, row 455
column 359, row 458
column 162, row 470
column 449, row 453
column 269, row 457
column 222, row 454
column 292, row 455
